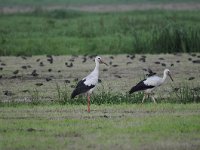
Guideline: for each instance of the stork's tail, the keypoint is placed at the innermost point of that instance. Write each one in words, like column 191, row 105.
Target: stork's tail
column 133, row 89
column 74, row 93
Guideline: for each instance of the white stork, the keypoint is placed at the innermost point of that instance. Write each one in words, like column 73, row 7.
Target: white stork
column 87, row 84
column 149, row 84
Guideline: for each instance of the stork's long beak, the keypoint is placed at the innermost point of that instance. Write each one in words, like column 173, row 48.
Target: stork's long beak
column 170, row 76
column 102, row 62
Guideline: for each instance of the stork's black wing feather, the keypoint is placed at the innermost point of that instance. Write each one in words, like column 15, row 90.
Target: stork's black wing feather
column 140, row 86
column 151, row 73
column 81, row 88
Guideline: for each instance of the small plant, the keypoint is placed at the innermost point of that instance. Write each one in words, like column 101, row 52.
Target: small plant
column 35, row 97
column 62, row 95
column 185, row 94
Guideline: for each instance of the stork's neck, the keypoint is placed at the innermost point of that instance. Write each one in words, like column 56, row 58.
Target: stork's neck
column 97, row 66
column 96, row 69
column 164, row 77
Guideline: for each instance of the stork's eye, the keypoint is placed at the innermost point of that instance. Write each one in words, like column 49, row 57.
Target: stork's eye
column 99, row 58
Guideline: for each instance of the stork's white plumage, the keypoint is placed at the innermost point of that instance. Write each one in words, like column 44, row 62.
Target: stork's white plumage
column 87, row 84
column 149, row 84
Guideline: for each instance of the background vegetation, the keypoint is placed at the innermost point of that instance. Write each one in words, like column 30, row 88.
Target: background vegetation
column 81, row 2
column 72, row 32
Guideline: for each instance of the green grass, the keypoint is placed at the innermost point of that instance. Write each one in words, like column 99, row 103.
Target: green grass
column 82, row 2
column 148, row 126
column 184, row 95
column 70, row 32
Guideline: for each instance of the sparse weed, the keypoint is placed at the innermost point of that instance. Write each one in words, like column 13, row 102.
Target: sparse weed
column 185, row 94
column 35, row 99
column 62, row 95
column 182, row 95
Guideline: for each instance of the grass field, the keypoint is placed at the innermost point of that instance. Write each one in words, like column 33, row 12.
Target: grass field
column 148, row 126
column 46, row 46
column 72, row 32
column 46, row 27
column 81, row 2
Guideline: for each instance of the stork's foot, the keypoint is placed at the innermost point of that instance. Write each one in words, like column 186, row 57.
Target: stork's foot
column 144, row 97
column 147, row 95
column 152, row 97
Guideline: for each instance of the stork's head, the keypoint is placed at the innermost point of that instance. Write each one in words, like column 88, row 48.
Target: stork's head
column 167, row 72
column 99, row 60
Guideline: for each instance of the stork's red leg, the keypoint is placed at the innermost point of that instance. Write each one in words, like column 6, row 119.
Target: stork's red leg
column 88, row 102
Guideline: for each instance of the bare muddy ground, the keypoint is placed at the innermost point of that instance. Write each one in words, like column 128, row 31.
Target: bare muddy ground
column 103, row 7
column 25, row 78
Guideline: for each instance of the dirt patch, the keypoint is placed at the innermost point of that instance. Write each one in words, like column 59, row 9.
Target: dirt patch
column 142, row 6
column 173, row 145
column 102, row 7
column 68, row 134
